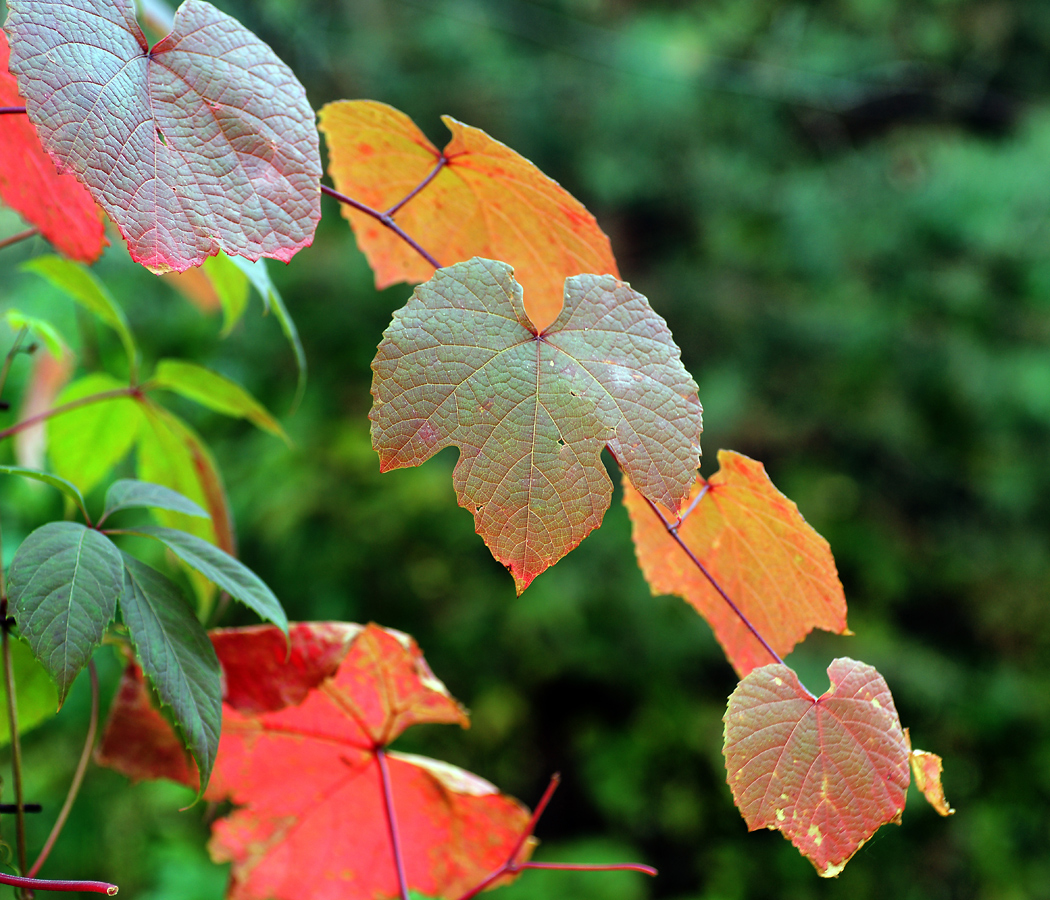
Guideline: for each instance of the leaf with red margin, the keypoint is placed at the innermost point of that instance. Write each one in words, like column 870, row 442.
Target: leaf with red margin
column 204, row 142
column 826, row 772
column 756, row 545
column 30, row 184
column 530, row 410
column 487, row 201
column 298, row 758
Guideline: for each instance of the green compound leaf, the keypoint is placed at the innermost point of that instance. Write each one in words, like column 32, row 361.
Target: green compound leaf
column 228, row 573
column 64, row 583
column 85, row 444
column 462, row 365
column 203, row 142
column 70, row 490
column 37, row 697
column 177, row 655
column 827, row 772
column 127, row 493
column 231, row 287
column 214, row 391
column 81, row 285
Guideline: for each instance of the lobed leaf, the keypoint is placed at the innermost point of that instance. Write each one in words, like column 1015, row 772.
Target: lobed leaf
column 203, row 142
column 127, row 493
column 756, row 545
column 531, row 410
column 826, row 772
column 177, row 656
column 502, row 206
column 64, row 583
column 57, row 204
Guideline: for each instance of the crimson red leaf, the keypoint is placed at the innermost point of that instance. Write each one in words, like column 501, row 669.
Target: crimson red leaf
column 204, row 142
column 756, row 545
column 530, row 410
column 29, row 182
column 827, row 772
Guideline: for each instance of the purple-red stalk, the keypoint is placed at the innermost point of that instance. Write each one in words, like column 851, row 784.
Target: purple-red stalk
column 391, row 821
column 68, row 407
column 11, row 110
column 46, row 884
column 18, row 238
column 441, row 163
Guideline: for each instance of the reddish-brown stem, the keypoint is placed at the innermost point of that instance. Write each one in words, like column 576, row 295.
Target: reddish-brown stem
column 45, row 884
column 383, row 218
column 18, row 238
column 391, row 821
column 11, row 110
column 78, row 777
column 590, row 867
column 441, row 163
column 68, row 407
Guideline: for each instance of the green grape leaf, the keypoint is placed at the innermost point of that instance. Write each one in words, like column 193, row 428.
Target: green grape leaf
column 70, row 490
column 55, row 343
column 203, row 142
column 462, row 365
column 127, row 493
column 37, row 697
column 85, row 444
column 64, row 583
column 214, row 391
column 827, row 771
column 81, row 285
column 222, row 569
column 177, row 656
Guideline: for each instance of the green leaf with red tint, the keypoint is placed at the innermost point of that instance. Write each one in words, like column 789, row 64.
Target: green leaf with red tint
column 826, row 772
column 463, row 365
column 204, row 142
column 57, row 204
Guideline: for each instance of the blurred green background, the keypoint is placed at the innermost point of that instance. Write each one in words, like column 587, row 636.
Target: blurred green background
column 842, row 208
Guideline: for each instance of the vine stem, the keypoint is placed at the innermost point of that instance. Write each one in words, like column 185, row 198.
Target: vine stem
column 17, row 238
column 78, row 777
column 69, row 407
column 11, row 110
column 46, row 884
column 383, row 218
column 12, row 722
column 391, row 821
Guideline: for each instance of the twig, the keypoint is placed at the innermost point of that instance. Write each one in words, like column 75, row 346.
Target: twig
column 68, row 407
column 17, row 238
column 383, row 218
column 391, row 822
column 78, row 777
column 441, row 163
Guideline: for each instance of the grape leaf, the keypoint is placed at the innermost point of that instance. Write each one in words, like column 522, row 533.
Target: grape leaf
column 64, row 583
column 344, row 693
column 204, row 142
column 176, row 655
column 57, row 204
column 757, row 546
column 826, row 772
column 503, row 206
column 462, row 364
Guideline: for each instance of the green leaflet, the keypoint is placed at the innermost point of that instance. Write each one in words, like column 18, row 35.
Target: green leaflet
column 81, row 285
column 37, row 698
column 214, row 391
column 47, row 332
column 86, row 443
column 231, row 285
column 224, row 570
column 70, row 490
column 64, row 583
column 127, row 493
column 177, row 656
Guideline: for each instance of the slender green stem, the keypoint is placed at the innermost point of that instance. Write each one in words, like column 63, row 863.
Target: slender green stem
column 69, row 407
column 10, row 358
column 78, row 777
column 16, row 744
column 18, row 238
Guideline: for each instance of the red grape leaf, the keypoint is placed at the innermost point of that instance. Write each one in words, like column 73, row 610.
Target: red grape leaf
column 462, row 364
column 927, row 768
column 298, row 759
column 203, row 143
column 757, row 546
column 826, row 772
column 501, row 205
column 56, row 204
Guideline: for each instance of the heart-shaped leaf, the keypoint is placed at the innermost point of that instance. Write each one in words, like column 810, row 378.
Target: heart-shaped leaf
column 204, row 142
column 827, row 772
column 530, row 410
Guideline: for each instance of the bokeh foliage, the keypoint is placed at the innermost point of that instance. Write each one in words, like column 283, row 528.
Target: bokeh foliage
column 842, row 208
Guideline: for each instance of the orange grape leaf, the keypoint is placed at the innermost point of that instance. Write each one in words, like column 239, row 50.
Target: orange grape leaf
column 487, row 201
column 203, row 142
column 826, row 772
column 461, row 364
column 30, row 184
column 927, row 769
column 298, row 758
column 757, row 546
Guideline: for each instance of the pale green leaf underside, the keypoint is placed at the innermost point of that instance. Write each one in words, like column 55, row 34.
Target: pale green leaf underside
column 127, row 493
column 64, row 583
column 177, row 656
column 462, row 365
